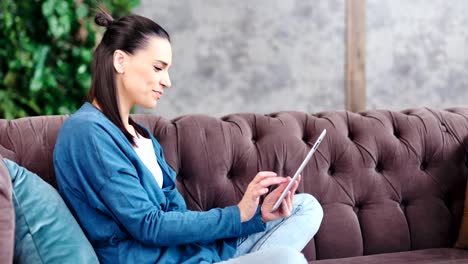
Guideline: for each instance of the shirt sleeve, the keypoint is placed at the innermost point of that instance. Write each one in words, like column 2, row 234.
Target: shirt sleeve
column 129, row 205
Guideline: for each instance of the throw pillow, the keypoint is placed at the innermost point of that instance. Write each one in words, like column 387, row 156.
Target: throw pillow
column 462, row 241
column 46, row 231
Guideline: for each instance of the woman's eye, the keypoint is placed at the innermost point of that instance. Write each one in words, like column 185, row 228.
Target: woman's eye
column 157, row 69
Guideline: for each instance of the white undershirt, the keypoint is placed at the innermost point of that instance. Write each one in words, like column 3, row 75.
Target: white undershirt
column 146, row 153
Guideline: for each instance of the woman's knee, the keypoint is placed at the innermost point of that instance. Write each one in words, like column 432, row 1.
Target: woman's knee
column 308, row 204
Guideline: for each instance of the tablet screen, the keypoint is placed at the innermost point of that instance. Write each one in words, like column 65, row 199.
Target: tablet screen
column 299, row 170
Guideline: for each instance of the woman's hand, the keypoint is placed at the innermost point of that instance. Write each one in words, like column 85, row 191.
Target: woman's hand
column 286, row 206
column 256, row 188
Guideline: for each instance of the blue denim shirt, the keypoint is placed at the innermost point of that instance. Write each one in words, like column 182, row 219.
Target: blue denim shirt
column 126, row 216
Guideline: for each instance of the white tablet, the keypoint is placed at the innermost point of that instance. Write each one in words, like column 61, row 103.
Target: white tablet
column 298, row 172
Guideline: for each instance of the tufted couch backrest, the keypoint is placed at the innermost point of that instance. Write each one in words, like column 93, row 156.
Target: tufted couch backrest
column 388, row 181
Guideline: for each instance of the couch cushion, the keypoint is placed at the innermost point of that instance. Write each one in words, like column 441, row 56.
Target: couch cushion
column 46, row 231
column 434, row 255
column 7, row 216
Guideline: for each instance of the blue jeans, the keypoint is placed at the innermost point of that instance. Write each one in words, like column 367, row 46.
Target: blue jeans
column 283, row 239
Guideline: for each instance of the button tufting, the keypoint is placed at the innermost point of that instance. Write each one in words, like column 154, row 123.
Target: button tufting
column 447, row 201
column 403, row 205
column 331, row 170
column 444, row 127
column 351, row 136
column 229, row 174
column 396, row 134
column 423, row 165
column 379, row 167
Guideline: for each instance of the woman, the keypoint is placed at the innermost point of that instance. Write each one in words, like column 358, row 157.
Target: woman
column 112, row 174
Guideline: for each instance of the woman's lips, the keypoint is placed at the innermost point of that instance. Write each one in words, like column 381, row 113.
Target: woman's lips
column 158, row 94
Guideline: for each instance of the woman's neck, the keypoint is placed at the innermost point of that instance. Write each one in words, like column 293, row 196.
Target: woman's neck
column 124, row 115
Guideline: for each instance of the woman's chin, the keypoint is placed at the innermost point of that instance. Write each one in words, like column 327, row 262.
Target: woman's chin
column 149, row 105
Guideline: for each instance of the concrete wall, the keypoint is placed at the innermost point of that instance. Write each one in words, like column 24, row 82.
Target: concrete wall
column 417, row 53
column 252, row 56
column 271, row 55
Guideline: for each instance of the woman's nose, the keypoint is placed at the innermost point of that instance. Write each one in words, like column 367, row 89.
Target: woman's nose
column 166, row 81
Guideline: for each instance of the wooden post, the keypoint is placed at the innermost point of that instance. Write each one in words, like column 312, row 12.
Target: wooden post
column 355, row 55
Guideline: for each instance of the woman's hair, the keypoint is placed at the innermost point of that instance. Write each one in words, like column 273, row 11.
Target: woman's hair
column 128, row 33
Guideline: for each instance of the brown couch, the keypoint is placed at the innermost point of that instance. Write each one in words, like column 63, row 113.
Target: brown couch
column 392, row 184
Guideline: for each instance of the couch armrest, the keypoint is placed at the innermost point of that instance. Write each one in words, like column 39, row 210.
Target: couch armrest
column 7, row 215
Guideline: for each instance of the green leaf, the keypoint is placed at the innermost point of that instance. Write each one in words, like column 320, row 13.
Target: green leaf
column 81, row 69
column 62, row 8
column 63, row 110
column 86, row 55
column 81, row 11
column 37, row 81
column 64, row 23
column 48, row 8
column 84, row 80
column 49, row 79
column 8, row 20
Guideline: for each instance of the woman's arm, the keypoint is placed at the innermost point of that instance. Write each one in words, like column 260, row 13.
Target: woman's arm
column 149, row 224
column 129, row 205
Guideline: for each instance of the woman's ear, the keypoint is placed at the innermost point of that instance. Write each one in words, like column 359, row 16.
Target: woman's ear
column 119, row 61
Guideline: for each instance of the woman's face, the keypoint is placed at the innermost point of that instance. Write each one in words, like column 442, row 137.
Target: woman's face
column 145, row 74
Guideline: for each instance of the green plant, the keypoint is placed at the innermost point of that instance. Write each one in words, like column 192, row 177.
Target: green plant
column 46, row 51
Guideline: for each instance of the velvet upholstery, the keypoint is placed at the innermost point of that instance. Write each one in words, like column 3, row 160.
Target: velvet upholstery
column 7, row 215
column 433, row 255
column 388, row 181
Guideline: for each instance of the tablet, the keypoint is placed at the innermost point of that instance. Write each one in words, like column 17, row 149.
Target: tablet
column 298, row 172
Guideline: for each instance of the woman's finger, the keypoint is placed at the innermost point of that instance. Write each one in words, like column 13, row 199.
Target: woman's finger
column 290, row 199
column 286, row 206
column 261, row 188
column 259, row 192
column 262, row 175
column 296, row 184
column 259, row 177
column 269, row 181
